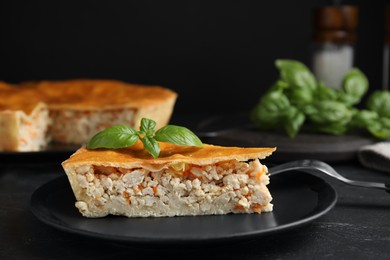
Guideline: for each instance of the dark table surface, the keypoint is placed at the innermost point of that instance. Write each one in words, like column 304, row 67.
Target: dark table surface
column 358, row 227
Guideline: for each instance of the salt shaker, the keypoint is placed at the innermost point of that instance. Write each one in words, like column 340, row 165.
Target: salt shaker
column 334, row 38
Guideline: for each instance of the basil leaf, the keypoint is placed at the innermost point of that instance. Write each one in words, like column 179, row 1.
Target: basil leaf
column 300, row 97
column 329, row 112
column 354, row 86
column 302, row 84
column 363, row 118
column 296, row 74
column 293, row 121
column 148, row 126
column 117, row 136
column 325, row 93
column 380, row 128
column 151, row 145
column 177, row 135
column 379, row 101
column 279, row 85
column 270, row 110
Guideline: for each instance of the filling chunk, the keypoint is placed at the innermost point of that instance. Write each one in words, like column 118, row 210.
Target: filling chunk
column 33, row 129
column 78, row 126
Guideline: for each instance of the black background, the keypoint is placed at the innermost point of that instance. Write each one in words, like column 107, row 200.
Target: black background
column 218, row 55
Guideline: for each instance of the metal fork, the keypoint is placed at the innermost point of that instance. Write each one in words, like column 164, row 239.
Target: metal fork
column 322, row 167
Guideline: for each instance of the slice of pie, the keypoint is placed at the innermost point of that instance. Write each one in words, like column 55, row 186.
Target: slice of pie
column 72, row 111
column 183, row 181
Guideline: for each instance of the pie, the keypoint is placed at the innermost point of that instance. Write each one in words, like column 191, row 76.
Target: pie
column 34, row 113
column 182, row 181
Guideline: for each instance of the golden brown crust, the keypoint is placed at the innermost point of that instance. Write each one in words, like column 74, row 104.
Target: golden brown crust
column 82, row 94
column 13, row 98
column 136, row 156
column 97, row 94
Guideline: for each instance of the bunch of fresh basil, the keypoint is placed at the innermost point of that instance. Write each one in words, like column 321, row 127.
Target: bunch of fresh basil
column 297, row 99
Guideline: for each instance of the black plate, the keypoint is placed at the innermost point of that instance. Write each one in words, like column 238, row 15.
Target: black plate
column 237, row 130
column 298, row 199
column 52, row 153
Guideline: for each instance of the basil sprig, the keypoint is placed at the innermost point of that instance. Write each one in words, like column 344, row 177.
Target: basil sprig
column 298, row 99
column 120, row 136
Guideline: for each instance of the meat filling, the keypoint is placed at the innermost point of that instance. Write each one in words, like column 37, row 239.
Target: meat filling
column 181, row 189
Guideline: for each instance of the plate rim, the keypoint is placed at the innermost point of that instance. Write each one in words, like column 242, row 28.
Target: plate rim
column 62, row 180
column 242, row 132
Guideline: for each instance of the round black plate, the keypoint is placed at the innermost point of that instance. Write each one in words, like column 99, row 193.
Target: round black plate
column 237, row 130
column 298, row 199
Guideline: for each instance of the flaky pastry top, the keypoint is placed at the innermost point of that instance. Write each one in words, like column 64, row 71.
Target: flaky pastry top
column 137, row 157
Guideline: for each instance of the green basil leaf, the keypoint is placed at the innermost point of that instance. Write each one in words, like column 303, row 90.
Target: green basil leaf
column 270, row 110
column 347, row 99
column 325, row 93
column 296, row 74
column 302, row 84
column 262, row 119
column 177, row 135
column 330, row 112
column 279, row 85
column 151, row 145
column 380, row 128
column 363, row 118
column 293, row 121
column 117, row 136
column 379, row 101
column 310, row 110
column 148, row 126
column 300, row 97
column 354, row 87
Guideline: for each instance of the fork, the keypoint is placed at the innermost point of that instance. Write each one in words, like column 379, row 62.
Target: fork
column 322, row 167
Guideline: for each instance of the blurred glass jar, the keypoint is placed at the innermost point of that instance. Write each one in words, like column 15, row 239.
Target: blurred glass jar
column 334, row 38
